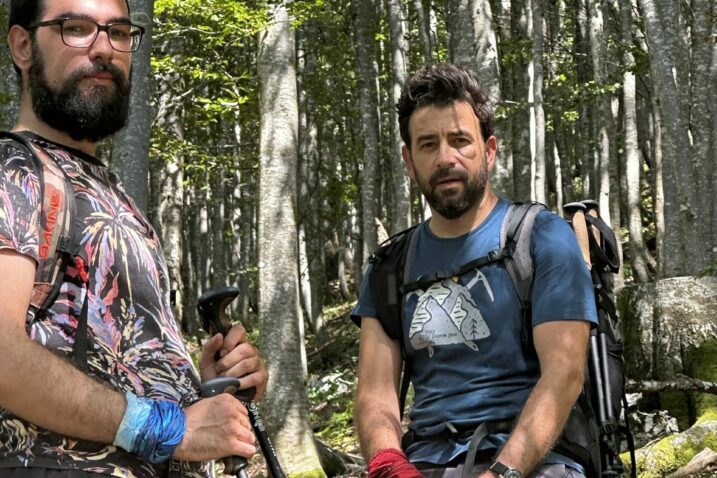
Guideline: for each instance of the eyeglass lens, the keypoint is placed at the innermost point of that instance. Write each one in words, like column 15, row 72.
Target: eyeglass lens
column 81, row 33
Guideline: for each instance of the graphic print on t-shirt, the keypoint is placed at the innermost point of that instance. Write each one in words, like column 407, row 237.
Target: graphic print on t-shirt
column 446, row 314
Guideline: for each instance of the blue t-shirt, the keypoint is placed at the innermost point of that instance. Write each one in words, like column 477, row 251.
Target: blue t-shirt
column 462, row 336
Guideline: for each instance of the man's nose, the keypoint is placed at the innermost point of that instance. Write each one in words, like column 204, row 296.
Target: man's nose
column 446, row 155
column 101, row 47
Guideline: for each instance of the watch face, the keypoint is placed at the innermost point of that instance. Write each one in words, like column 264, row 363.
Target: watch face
column 512, row 474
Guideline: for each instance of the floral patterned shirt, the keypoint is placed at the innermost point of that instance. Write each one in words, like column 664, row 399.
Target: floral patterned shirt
column 134, row 343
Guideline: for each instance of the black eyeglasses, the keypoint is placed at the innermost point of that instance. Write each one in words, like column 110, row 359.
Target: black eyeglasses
column 82, row 33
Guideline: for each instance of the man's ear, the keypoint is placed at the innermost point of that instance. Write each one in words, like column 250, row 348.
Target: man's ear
column 20, row 43
column 491, row 148
column 408, row 159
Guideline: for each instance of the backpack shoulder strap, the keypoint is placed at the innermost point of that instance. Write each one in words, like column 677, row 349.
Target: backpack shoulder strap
column 58, row 243
column 56, row 216
column 515, row 238
column 388, row 263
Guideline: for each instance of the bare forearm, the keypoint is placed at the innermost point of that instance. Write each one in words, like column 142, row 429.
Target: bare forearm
column 378, row 425
column 540, row 423
column 50, row 392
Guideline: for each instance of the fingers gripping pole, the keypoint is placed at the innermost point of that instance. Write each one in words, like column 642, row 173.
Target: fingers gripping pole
column 211, row 306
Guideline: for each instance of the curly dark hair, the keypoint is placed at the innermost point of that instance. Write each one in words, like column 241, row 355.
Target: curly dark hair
column 440, row 85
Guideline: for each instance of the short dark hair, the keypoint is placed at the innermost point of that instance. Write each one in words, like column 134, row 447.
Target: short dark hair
column 26, row 12
column 440, row 85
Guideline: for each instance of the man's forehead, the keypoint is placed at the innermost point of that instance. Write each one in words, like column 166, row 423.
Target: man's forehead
column 452, row 118
column 114, row 9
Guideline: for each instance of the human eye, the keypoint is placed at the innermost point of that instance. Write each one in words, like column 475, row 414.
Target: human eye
column 120, row 32
column 427, row 145
column 78, row 28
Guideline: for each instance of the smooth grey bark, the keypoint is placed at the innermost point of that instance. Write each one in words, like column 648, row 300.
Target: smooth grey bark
column 502, row 10
column 538, row 132
column 703, row 48
column 311, row 271
column 604, row 126
column 640, row 259
column 219, row 271
column 167, row 180
column 401, row 213
column 130, row 153
column 286, row 403
column 472, row 44
column 521, row 80
column 423, row 26
column 367, row 70
column 681, row 186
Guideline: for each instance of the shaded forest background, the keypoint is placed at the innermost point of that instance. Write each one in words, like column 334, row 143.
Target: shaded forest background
column 264, row 147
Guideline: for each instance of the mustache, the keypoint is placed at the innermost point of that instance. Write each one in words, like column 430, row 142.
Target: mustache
column 444, row 174
column 118, row 75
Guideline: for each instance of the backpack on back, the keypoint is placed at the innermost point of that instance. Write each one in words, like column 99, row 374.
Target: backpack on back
column 58, row 244
column 591, row 435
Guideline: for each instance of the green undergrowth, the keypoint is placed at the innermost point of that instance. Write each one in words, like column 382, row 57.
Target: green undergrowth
column 332, row 364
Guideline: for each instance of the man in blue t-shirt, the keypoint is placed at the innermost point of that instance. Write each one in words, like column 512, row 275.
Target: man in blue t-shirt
column 462, row 335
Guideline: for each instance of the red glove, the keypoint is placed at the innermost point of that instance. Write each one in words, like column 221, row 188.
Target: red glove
column 392, row 463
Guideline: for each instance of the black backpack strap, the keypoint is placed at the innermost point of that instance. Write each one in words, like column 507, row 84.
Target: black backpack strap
column 406, row 375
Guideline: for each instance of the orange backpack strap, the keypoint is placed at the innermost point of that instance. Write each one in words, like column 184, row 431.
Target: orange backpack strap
column 56, row 216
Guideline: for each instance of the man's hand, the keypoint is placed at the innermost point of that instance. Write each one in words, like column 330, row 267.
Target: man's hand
column 392, row 463
column 217, row 427
column 239, row 359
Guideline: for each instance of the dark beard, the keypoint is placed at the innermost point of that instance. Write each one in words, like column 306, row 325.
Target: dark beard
column 84, row 116
column 453, row 205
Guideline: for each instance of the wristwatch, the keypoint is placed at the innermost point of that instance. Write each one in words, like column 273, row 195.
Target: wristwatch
column 505, row 471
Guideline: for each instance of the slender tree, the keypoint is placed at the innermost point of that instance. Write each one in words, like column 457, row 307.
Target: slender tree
column 286, row 402
column 400, row 215
column 130, row 154
column 641, row 261
column 538, row 113
column 367, row 70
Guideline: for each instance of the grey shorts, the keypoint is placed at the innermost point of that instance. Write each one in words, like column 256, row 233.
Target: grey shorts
column 542, row 471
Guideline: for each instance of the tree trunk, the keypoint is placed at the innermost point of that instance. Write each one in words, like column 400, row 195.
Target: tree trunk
column 219, row 268
column 286, row 403
column 703, row 49
column 423, row 25
column 130, row 154
column 473, row 44
column 168, row 193
column 308, row 183
column 641, row 261
column 681, row 208
column 520, row 119
column 368, row 108
column 401, row 214
column 538, row 113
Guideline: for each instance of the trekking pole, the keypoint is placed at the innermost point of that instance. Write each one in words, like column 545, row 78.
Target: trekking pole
column 235, row 465
column 212, row 312
column 576, row 212
column 593, row 209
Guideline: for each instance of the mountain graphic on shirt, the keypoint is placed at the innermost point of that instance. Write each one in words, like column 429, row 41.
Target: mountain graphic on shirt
column 446, row 314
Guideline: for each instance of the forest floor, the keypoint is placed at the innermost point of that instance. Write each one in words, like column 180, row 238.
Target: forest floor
column 332, row 365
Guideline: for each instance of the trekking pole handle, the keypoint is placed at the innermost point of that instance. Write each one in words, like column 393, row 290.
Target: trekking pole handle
column 212, row 312
column 235, row 465
column 576, row 211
